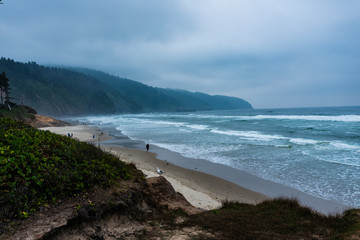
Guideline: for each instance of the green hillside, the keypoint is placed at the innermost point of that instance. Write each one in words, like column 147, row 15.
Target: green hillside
column 39, row 167
column 76, row 91
column 57, row 91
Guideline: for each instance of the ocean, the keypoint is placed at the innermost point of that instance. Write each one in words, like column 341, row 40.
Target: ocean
column 314, row 150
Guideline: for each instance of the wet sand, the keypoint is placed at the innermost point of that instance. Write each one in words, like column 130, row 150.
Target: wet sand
column 200, row 189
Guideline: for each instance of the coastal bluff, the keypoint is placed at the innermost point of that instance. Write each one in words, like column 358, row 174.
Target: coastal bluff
column 116, row 213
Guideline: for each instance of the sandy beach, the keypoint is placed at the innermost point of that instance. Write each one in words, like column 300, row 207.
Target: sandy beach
column 202, row 190
column 82, row 133
column 204, row 184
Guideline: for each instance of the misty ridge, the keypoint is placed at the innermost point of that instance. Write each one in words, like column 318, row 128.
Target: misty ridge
column 80, row 91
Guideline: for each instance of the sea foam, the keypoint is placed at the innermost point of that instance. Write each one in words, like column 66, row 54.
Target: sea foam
column 340, row 118
column 314, row 150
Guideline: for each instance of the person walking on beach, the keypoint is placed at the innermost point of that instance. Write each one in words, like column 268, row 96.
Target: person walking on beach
column 147, row 147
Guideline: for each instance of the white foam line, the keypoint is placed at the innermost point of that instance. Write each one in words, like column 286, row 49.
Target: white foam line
column 250, row 135
column 341, row 162
column 339, row 118
column 341, row 145
column 254, row 135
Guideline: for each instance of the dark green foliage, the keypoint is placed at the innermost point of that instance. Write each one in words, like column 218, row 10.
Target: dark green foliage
column 20, row 113
column 38, row 167
column 147, row 98
column 159, row 99
column 274, row 219
column 56, row 91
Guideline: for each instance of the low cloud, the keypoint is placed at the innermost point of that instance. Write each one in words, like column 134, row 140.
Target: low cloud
column 272, row 53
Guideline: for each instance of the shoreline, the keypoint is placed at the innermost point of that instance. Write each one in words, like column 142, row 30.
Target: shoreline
column 83, row 133
column 202, row 190
column 203, row 183
column 254, row 183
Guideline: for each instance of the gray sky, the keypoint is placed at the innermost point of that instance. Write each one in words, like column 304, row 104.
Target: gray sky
column 273, row 53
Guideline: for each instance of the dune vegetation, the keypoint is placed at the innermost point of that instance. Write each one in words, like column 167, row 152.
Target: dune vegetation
column 38, row 167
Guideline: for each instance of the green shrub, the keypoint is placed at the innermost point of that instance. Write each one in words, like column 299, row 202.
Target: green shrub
column 38, row 167
column 20, row 113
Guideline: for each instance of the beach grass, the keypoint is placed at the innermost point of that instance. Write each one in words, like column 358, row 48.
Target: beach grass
column 279, row 218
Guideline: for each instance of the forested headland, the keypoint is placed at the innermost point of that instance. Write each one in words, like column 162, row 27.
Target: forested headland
column 79, row 91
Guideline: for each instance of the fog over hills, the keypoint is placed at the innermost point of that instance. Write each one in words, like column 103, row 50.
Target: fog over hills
column 80, row 91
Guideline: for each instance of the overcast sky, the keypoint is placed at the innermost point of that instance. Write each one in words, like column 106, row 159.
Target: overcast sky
column 273, row 53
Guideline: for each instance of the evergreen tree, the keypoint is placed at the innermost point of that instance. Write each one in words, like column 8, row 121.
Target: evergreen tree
column 2, row 88
column 5, row 87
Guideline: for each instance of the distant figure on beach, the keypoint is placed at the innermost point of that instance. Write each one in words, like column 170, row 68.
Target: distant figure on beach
column 159, row 171
column 147, row 147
